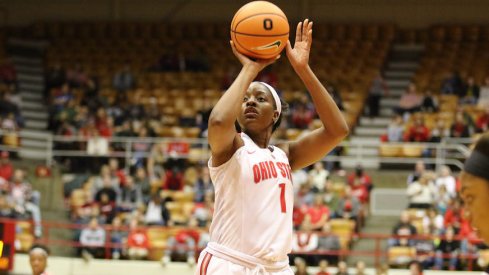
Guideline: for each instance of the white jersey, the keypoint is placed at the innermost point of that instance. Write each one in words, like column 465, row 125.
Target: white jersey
column 254, row 202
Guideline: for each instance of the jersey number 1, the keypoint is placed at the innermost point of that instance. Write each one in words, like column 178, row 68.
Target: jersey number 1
column 282, row 198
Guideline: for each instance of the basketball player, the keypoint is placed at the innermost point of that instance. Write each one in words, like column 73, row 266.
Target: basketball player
column 251, row 232
column 475, row 187
column 38, row 258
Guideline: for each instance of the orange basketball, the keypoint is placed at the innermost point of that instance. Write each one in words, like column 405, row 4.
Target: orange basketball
column 260, row 29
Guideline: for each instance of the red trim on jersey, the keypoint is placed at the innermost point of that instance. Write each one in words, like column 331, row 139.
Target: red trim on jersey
column 205, row 264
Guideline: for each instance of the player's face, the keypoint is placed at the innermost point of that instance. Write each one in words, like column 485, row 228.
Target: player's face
column 38, row 263
column 475, row 193
column 257, row 110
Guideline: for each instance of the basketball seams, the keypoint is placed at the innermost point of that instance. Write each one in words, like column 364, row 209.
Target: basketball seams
column 259, row 35
column 257, row 14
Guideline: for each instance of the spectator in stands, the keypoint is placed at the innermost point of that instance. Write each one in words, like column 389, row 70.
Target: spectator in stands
column 469, row 94
column 202, row 117
column 181, row 247
column 143, row 182
column 482, row 123
column 124, row 79
column 439, row 132
column 92, row 240
column 25, row 200
column 328, row 242
column 38, row 259
column 116, row 172
column 6, row 209
column 304, row 196
column 118, row 237
column 349, row 207
column 203, row 211
column 360, row 266
column 415, row 268
column 318, row 176
column 108, row 190
column 484, row 94
column 448, row 247
column 8, row 73
column 299, row 177
column 305, row 241
column 203, row 185
column 378, row 88
column 409, row 103
column 157, row 213
column 300, row 266
column 342, row 268
column 107, row 209
column 6, row 167
column 442, row 199
column 360, row 180
column 323, row 268
column 268, row 75
column 418, row 132
column 130, row 196
column 403, row 228
column 430, row 103
column 137, row 241
column 421, row 193
column 318, row 214
column 433, row 223
column 459, row 128
column 156, row 161
column 100, row 181
column 453, row 84
column 301, row 116
column 455, row 215
column 419, row 169
column 141, row 148
column 395, row 130
column 445, row 178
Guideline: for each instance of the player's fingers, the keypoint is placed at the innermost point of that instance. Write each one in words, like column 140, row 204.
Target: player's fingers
column 298, row 32
column 304, row 28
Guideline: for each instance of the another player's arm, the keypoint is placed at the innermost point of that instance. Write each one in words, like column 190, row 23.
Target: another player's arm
column 221, row 132
column 315, row 145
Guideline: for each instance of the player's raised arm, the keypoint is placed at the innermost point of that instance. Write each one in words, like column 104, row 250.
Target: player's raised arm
column 319, row 142
column 222, row 136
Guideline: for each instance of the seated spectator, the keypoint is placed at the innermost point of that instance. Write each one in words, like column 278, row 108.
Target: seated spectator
column 430, row 103
column 425, row 251
column 6, row 167
column 117, row 172
column 415, row 268
column 318, row 176
column 469, row 94
column 156, row 161
column 124, row 79
column 142, row 181
column 157, row 213
column 377, row 89
column 419, row 169
column 6, row 209
column 301, row 116
column 455, row 215
column 299, row 177
column 453, row 84
column 360, row 180
column 104, row 178
column 323, row 268
column 130, row 196
column 137, row 241
column 442, row 199
column 418, row 132
column 445, row 178
column 92, row 240
column 118, row 238
column 484, row 94
column 181, row 247
column 317, row 214
column 300, row 266
column 328, row 242
column 342, row 268
column 410, row 102
column 107, row 209
column 439, row 132
column 203, row 211
column 482, row 123
column 349, row 207
column 395, row 131
column 107, row 189
column 25, row 200
column 305, row 241
column 421, row 193
column 433, row 223
column 459, row 128
column 203, row 184
column 448, row 247
column 360, row 268
column 403, row 228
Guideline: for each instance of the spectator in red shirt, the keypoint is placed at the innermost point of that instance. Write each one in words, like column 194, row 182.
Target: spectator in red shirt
column 360, row 183
column 115, row 171
column 454, row 216
column 6, row 168
column 137, row 241
column 323, row 268
column 418, row 132
column 482, row 122
column 318, row 213
column 459, row 128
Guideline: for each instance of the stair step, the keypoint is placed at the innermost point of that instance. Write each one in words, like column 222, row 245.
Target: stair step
column 396, row 92
column 35, row 134
column 33, row 143
column 366, row 162
column 38, row 125
column 403, row 65
column 38, row 87
column 28, row 95
column 387, row 102
column 386, row 112
column 31, row 78
column 370, row 131
column 391, row 83
column 408, row 48
column 29, row 69
column 33, row 153
column 26, row 60
column 370, row 141
column 398, row 74
column 33, row 115
column 369, row 151
column 33, row 105
column 377, row 121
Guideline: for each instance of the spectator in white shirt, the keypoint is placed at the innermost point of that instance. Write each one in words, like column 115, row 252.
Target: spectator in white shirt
column 92, row 240
column 157, row 213
column 445, row 178
column 318, row 176
column 421, row 193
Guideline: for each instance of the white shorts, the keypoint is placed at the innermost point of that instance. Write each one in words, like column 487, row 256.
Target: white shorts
column 209, row 264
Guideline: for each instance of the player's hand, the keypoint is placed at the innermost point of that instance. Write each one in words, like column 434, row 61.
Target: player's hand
column 257, row 65
column 299, row 55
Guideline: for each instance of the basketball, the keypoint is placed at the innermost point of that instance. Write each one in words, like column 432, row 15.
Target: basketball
column 260, row 30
